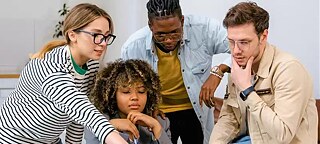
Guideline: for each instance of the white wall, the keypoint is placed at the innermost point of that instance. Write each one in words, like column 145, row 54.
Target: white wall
column 27, row 25
column 294, row 25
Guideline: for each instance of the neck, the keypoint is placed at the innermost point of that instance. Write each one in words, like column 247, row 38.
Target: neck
column 122, row 115
column 80, row 62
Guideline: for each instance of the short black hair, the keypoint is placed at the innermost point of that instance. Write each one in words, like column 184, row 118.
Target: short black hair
column 162, row 9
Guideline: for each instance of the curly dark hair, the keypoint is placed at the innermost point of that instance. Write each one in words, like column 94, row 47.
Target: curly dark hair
column 120, row 73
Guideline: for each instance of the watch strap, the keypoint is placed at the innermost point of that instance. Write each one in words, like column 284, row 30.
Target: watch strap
column 244, row 94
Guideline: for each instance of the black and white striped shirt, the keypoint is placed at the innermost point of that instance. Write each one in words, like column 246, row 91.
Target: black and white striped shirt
column 49, row 98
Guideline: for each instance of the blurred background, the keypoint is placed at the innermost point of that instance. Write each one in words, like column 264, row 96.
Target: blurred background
column 25, row 26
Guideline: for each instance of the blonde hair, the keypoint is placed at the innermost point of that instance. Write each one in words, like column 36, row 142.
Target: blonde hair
column 78, row 17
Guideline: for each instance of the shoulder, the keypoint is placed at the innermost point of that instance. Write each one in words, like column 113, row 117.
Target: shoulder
column 194, row 20
column 165, row 123
column 138, row 38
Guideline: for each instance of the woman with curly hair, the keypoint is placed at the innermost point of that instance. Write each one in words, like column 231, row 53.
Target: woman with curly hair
column 127, row 92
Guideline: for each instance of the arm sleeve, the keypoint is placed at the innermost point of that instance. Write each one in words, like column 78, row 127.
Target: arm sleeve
column 165, row 136
column 59, row 87
column 227, row 127
column 216, row 37
column 74, row 133
column 292, row 91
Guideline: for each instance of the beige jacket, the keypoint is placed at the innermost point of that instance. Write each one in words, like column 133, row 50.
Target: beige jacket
column 282, row 110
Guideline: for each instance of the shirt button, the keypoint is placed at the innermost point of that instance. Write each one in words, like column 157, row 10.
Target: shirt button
column 194, row 102
column 202, row 70
column 188, row 87
column 178, row 53
column 199, row 116
column 182, row 70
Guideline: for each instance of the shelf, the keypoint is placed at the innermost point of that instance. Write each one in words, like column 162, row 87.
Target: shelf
column 9, row 75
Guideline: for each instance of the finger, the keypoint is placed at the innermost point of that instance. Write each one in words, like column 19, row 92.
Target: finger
column 212, row 101
column 207, row 101
column 135, row 119
column 200, row 98
column 249, row 63
column 133, row 129
column 234, row 64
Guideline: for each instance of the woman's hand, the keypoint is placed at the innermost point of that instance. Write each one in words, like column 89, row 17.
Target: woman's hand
column 125, row 125
column 147, row 121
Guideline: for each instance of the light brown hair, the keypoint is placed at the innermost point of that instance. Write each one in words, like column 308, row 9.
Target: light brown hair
column 247, row 12
column 78, row 17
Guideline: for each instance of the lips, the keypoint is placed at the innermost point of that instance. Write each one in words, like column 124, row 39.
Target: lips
column 134, row 106
column 99, row 52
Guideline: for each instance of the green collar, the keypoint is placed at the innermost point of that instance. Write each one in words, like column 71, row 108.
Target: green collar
column 78, row 69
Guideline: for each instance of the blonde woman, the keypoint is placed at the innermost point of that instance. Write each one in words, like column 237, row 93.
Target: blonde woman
column 51, row 95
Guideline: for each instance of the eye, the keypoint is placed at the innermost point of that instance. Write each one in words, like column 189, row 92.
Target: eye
column 142, row 91
column 126, row 92
column 244, row 42
column 231, row 41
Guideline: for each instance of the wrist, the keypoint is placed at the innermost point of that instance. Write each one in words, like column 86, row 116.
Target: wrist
column 216, row 71
column 245, row 93
column 224, row 68
column 156, row 129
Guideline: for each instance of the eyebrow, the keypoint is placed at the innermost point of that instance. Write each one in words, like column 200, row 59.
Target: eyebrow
column 173, row 31
column 99, row 31
column 244, row 39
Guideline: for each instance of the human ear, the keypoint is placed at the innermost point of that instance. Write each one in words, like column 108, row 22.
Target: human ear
column 72, row 36
column 182, row 20
column 264, row 35
column 150, row 25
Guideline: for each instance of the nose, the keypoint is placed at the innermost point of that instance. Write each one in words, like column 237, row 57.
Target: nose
column 134, row 96
column 168, row 39
column 236, row 49
column 104, row 43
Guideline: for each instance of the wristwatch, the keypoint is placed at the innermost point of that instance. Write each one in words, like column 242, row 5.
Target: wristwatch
column 216, row 71
column 244, row 94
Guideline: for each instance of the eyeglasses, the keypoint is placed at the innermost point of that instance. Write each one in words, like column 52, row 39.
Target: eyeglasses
column 242, row 44
column 161, row 38
column 99, row 38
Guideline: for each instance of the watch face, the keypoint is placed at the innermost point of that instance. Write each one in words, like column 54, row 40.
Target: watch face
column 215, row 69
column 243, row 96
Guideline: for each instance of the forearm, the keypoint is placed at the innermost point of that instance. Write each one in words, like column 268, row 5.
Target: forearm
column 227, row 127
column 74, row 133
column 280, row 123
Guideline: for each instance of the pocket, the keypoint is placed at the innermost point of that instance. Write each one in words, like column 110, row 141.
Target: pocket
column 268, row 99
column 200, row 69
column 232, row 102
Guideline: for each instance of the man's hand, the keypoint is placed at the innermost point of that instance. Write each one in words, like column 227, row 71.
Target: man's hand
column 208, row 89
column 147, row 121
column 157, row 112
column 241, row 77
column 125, row 125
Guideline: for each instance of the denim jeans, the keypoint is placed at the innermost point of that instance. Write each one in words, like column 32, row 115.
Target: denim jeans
column 243, row 140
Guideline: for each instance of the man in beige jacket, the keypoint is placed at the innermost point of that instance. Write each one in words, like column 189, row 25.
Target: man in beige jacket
column 270, row 94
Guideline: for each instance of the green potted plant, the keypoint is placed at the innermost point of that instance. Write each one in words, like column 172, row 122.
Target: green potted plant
column 58, row 28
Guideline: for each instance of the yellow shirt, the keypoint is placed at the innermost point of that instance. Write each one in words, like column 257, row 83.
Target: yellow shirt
column 174, row 93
